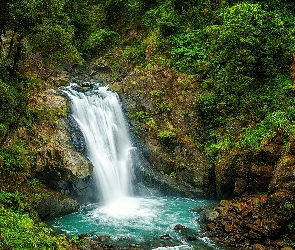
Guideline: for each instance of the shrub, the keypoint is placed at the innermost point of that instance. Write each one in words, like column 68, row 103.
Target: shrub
column 165, row 134
column 187, row 51
column 18, row 231
column 234, row 59
column 100, row 39
column 278, row 121
column 164, row 18
column 16, row 157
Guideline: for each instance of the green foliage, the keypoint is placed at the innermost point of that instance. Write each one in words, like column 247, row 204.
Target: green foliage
column 14, row 97
column 163, row 17
column 54, row 43
column 16, row 158
column 291, row 227
column 14, row 201
column 234, row 59
column 140, row 115
column 100, row 39
column 19, row 231
column 218, row 145
column 151, row 123
column 164, row 106
column 166, row 134
column 40, row 27
column 156, row 93
column 288, row 206
column 11, row 106
column 276, row 122
column 172, row 174
column 133, row 55
column 187, row 51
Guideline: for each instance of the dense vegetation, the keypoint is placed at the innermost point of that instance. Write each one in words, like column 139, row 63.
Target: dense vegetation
column 239, row 51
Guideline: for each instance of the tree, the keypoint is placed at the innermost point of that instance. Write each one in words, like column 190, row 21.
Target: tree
column 235, row 59
column 39, row 21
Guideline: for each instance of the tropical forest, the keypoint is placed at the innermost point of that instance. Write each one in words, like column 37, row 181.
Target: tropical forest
column 147, row 124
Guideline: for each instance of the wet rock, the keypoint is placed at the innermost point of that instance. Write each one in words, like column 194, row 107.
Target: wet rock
column 55, row 163
column 225, row 177
column 77, row 137
column 150, row 94
column 58, row 78
column 237, row 222
column 260, row 177
column 268, row 154
column 180, row 227
column 209, row 215
column 84, row 86
column 199, row 209
column 58, row 159
column 165, row 237
column 55, row 205
column 103, row 238
column 241, row 185
column 191, row 238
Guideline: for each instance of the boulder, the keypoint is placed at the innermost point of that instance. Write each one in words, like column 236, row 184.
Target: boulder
column 55, row 205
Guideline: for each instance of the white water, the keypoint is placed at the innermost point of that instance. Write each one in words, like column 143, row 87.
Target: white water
column 101, row 120
column 120, row 214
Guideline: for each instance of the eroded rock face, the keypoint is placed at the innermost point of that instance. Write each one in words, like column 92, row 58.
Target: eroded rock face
column 59, row 159
column 257, row 220
column 60, row 150
column 162, row 114
column 237, row 175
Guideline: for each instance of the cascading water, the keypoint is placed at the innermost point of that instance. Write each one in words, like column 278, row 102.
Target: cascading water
column 120, row 214
column 101, row 120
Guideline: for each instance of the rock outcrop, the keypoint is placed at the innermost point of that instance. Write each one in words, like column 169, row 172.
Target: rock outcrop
column 58, row 159
column 55, row 205
column 166, row 122
column 258, row 219
column 61, row 163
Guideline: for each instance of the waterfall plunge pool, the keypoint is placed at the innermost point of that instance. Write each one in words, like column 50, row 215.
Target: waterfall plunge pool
column 141, row 221
column 147, row 220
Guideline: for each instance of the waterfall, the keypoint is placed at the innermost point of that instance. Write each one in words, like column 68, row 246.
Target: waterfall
column 138, row 219
column 99, row 115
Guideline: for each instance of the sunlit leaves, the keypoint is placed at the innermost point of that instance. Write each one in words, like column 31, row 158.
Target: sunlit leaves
column 19, row 231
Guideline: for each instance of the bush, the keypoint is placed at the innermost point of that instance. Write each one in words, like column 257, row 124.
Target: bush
column 16, row 158
column 165, row 134
column 276, row 122
column 163, row 17
column 234, row 59
column 100, row 39
column 13, row 103
column 187, row 51
column 54, row 43
column 19, row 232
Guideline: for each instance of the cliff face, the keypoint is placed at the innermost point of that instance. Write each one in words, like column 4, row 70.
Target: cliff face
column 58, row 159
column 258, row 185
column 57, row 155
column 60, row 154
column 262, row 217
column 159, row 103
column 160, row 106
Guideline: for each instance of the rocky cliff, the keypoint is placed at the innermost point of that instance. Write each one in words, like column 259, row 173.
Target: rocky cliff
column 159, row 103
column 60, row 154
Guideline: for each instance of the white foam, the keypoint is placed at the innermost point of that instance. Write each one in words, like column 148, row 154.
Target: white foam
column 180, row 247
column 129, row 208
